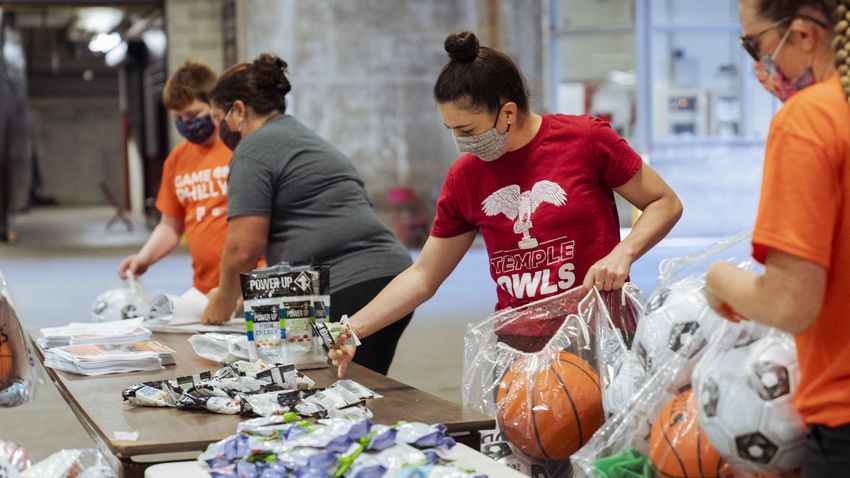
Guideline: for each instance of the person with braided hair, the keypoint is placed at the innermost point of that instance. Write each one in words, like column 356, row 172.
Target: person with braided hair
column 295, row 197
column 802, row 232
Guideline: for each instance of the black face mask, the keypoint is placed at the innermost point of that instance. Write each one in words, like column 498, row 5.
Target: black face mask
column 229, row 138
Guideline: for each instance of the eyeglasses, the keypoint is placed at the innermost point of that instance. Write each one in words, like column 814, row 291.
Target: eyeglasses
column 751, row 46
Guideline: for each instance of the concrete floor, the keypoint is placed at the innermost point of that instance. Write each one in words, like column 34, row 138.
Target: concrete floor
column 65, row 257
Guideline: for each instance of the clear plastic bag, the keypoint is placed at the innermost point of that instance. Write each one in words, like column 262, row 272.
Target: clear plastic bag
column 617, row 314
column 126, row 301
column 657, row 432
column 18, row 376
column 543, row 390
column 13, row 459
column 222, row 348
column 84, row 463
column 745, row 385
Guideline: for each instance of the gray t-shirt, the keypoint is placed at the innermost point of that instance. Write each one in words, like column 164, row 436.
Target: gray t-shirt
column 318, row 206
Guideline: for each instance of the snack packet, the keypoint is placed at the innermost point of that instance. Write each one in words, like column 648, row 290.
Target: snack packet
column 282, row 305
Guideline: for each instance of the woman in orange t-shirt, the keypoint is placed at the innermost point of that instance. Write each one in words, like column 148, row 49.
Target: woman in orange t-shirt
column 802, row 233
column 193, row 194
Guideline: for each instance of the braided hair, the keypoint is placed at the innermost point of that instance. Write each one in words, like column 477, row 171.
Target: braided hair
column 841, row 41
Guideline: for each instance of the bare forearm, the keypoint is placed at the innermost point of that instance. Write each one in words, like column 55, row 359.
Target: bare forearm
column 399, row 298
column 656, row 221
column 163, row 240
column 762, row 298
column 234, row 261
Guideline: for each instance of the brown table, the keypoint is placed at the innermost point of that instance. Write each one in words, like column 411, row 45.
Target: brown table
column 97, row 403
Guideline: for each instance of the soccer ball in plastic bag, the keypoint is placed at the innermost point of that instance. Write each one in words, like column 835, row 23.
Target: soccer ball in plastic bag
column 626, row 380
column 746, row 406
column 678, row 321
column 121, row 303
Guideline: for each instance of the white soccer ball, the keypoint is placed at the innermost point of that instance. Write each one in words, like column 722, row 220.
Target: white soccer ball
column 677, row 325
column 745, row 405
column 626, row 379
column 120, row 303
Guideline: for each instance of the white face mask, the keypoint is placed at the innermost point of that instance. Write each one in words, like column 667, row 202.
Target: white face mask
column 489, row 145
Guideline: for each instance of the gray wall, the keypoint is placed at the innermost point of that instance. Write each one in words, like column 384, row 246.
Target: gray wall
column 78, row 141
column 362, row 74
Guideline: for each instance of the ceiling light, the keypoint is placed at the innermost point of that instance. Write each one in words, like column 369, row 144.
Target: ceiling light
column 103, row 42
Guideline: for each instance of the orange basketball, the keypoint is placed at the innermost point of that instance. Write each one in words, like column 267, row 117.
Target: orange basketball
column 6, row 361
column 677, row 446
column 553, row 413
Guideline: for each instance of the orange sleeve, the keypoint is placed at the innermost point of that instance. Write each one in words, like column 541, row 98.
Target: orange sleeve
column 800, row 194
column 166, row 200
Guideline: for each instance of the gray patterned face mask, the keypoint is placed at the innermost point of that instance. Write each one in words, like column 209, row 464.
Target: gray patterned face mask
column 489, row 145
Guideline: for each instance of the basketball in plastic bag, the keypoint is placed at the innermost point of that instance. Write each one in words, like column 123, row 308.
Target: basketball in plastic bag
column 549, row 412
column 746, row 405
column 17, row 361
column 121, row 303
column 678, row 447
column 7, row 361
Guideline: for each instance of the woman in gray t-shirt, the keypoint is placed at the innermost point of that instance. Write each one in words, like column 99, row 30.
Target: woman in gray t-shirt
column 294, row 197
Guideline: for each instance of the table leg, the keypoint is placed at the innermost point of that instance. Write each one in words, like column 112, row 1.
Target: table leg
column 471, row 439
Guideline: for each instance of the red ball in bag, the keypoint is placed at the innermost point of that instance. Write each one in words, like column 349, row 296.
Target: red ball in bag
column 6, row 361
column 550, row 411
column 677, row 446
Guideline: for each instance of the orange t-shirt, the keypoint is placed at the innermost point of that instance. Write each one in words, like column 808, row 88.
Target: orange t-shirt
column 194, row 188
column 805, row 211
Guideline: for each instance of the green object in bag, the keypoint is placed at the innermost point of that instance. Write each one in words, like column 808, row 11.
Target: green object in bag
column 628, row 464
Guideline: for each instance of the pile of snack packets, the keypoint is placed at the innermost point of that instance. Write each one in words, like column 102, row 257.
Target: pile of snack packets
column 336, row 447
column 255, row 389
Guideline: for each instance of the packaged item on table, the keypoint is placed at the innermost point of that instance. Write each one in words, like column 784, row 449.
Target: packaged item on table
column 395, row 458
column 263, row 404
column 351, row 413
column 356, row 389
column 152, row 394
column 282, row 305
column 437, row 471
column 382, row 437
column 308, row 459
column 311, row 409
column 334, row 434
column 224, row 348
column 424, row 436
column 264, row 334
column 216, row 404
column 335, row 398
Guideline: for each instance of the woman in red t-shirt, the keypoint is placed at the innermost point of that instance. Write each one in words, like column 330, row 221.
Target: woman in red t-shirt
column 539, row 189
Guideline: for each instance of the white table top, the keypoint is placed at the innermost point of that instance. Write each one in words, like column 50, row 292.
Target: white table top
column 462, row 454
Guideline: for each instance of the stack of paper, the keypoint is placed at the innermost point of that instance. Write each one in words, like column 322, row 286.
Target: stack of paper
column 80, row 333
column 100, row 359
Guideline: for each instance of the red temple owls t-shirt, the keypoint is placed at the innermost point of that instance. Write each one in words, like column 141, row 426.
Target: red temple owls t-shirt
column 546, row 211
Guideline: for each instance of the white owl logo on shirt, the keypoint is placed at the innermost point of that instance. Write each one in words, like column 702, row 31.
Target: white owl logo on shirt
column 518, row 205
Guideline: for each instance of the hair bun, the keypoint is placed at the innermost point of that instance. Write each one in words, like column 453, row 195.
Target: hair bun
column 462, row 47
column 271, row 73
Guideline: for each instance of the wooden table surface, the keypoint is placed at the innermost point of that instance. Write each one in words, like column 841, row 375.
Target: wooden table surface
column 97, row 403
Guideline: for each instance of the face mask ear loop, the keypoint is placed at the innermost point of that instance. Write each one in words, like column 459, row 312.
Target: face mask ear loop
column 781, row 43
